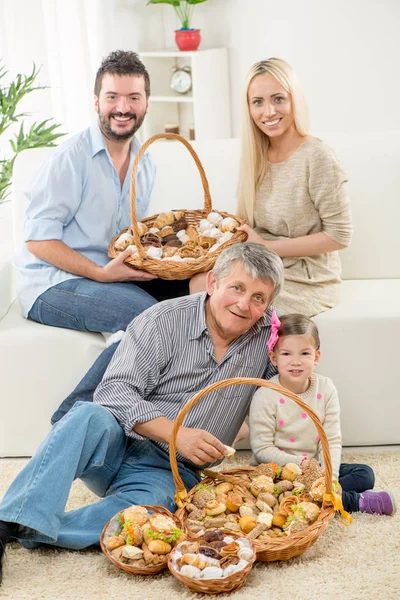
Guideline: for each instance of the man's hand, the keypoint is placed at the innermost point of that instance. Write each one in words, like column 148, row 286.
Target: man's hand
column 117, row 270
column 199, row 446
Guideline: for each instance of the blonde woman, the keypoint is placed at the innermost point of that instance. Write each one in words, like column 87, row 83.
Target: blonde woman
column 292, row 190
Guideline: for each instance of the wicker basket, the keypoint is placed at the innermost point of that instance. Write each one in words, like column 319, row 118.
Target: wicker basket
column 169, row 269
column 214, row 586
column 132, row 569
column 282, row 548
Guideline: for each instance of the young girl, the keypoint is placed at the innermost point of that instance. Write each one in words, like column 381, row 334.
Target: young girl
column 281, row 432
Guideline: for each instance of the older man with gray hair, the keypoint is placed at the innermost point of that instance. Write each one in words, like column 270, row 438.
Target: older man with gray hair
column 118, row 445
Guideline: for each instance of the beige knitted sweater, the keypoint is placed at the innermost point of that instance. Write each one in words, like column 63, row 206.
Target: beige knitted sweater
column 302, row 195
column 281, row 432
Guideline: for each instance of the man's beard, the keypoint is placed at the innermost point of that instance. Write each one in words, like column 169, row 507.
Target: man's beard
column 106, row 129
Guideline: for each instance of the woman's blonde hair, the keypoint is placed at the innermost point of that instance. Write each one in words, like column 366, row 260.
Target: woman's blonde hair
column 254, row 143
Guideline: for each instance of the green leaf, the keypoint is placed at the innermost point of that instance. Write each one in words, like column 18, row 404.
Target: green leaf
column 172, row 2
column 5, row 178
column 39, row 135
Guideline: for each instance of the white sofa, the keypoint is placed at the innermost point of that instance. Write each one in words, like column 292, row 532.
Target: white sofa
column 40, row 365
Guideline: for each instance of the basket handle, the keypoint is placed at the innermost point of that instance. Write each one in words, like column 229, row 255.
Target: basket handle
column 142, row 150
column 180, row 488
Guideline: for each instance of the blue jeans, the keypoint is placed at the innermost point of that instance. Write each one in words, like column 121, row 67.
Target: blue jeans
column 354, row 479
column 88, row 305
column 88, row 443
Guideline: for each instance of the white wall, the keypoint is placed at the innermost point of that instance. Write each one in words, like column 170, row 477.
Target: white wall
column 345, row 51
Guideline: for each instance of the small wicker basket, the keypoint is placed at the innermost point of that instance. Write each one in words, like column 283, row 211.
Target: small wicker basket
column 214, row 586
column 280, row 548
column 132, row 569
column 169, row 269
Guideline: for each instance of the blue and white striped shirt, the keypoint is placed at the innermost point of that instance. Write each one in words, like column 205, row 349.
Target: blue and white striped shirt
column 167, row 355
column 76, row 197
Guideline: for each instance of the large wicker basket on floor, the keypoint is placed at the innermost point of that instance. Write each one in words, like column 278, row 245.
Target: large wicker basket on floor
column 169, row 269
column 132, row 569
column 280, row 548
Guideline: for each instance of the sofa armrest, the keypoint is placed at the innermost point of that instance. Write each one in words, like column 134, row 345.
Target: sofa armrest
column 7, row 284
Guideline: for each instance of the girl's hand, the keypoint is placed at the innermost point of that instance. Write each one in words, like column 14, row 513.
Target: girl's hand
column 252, row 236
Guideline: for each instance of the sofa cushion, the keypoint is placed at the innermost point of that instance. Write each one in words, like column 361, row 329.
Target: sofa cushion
column 359, row 352
column 41, row 366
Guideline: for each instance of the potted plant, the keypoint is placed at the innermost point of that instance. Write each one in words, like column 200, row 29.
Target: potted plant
column 186, row 38
column 39, row 135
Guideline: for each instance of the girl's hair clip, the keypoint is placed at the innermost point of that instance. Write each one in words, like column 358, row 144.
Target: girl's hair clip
column 273, row 338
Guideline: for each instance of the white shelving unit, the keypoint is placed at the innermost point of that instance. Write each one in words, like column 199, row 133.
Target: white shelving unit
column 206, row 106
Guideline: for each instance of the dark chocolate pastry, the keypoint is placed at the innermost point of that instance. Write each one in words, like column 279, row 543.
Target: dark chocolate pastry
column 180, row 224
column 208, row 551
column 217, row 544
column 172, row 240
column 214, row 535
column 151, row 239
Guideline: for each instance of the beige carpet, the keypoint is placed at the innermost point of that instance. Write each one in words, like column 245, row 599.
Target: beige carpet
column 346, row 563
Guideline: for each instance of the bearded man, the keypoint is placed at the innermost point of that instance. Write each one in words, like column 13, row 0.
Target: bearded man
column 78, row 201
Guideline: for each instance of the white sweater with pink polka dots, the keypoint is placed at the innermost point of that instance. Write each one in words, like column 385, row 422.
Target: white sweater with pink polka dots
column 281, row 432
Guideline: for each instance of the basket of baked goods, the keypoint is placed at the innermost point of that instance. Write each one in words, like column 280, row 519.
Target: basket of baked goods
column 282, row 511
column 179, row 243
column 214, row 563
column 139, row 539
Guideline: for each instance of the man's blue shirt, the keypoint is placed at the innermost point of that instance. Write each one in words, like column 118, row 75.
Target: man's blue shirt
column 76, row 197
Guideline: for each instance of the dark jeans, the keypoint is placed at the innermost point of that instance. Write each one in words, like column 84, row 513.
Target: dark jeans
column 88, row 305
column 355, row 479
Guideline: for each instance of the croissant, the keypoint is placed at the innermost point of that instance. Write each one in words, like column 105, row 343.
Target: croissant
column 205, row 239
column 114, row 542
column 159, row 547
column 147, row 555
column 228, row 224
column 123, row 241
column 166, row 231
column 214, row 218
column 164, row 219
column 168, row 251
column 142, row 228
column 196, row 560
column 192, row 233
column 178, row 214
column 188, row 251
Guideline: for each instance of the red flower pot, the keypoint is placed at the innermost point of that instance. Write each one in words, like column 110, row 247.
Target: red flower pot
column 187, row 39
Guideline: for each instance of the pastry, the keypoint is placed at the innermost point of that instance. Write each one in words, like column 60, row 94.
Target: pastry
column 151, row 239
column 168, row 251
column 228, row 224
column 153, row 252
column 192, row 232
column 124, row 240
column 142, row 229
column 290, row 471
column 166, row 231
column 136, row 514
column 159, row 547
column 215, row 218
column 204, row 225
column 164, row 219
